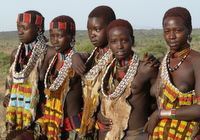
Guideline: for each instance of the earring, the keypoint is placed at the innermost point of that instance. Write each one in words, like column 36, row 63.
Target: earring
column 189, row 39
column 72, row 43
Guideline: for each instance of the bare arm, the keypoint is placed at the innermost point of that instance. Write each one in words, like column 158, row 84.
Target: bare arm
column 78, row 63
column 84, row 56
column 47, row 59
column 192, row 112
column 74, row 101
column 187, row 113
column 155, row 86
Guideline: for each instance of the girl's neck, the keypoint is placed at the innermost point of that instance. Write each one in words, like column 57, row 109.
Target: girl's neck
column 181, row 52
column 66, row 50
column 125, row 61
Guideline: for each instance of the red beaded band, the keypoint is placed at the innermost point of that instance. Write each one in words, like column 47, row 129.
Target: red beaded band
column 58, row 25
column 28, row 18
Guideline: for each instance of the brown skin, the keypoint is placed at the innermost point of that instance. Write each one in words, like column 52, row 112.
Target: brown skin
column 73, row 102
column 186, row 77
column 61, row 41
column 97, row 31
column 97, row 34
column 20, row 135
column 28, row 33
column 121, row 42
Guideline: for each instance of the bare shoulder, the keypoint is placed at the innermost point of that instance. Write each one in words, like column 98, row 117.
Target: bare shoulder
column 12, row 56
column 49, row 55
column 195, row 58
column 147, row 68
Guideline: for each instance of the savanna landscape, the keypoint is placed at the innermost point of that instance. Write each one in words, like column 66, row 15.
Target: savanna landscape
column 150, row 41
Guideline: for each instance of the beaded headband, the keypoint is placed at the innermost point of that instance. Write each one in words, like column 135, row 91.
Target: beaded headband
column 58, row 25
column 69, row 27
column 30, row 18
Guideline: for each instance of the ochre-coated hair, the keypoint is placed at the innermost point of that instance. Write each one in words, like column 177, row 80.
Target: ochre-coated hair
column 120, row 23
column 32, row 17
column 181, row 12
column 64, row 23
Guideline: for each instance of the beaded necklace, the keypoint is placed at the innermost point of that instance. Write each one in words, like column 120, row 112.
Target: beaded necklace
column 38, row 50
column 91, row 55
column 165, row 74
column 130, row 74
column 184, row 53
column 62, row 74
column 99, row 53
column 120, row 68
column 92, row 73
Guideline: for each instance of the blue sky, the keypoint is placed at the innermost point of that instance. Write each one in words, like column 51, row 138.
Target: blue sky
column 142, row 14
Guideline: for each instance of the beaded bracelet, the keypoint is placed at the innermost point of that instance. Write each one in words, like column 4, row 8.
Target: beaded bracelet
column 173, row 114
column 167, row 113
column 164, row 113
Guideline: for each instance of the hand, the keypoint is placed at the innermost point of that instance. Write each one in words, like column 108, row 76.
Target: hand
column 20, row 135
column 78, row 65
column 105, row 124
column 6, row 100
column 152, row 122
column 197, row 137
column 149, row 65
column 151, row 60
column 27, row 135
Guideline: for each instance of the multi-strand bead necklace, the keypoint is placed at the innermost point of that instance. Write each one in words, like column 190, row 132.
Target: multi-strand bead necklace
column 39, row 49
column 183, row 54
column 62, row 74
column 130, row 74
column 92, row 73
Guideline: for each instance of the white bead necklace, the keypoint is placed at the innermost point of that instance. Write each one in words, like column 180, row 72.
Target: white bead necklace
column 62, row 74
column 39, row 49
column 165, row 74
column 130, row 74
column 92, row 73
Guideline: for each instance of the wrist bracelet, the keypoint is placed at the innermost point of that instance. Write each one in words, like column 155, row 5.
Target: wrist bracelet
column 165, row 113
column 173, row 113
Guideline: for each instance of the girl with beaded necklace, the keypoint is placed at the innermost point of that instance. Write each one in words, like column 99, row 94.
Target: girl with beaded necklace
column 125, row 86
column 91, row 72
column 177, row 87
column 22, row 85
column 62, row 111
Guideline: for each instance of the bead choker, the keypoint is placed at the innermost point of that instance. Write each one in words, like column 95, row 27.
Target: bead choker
column 130, row 74
column 184, row 53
